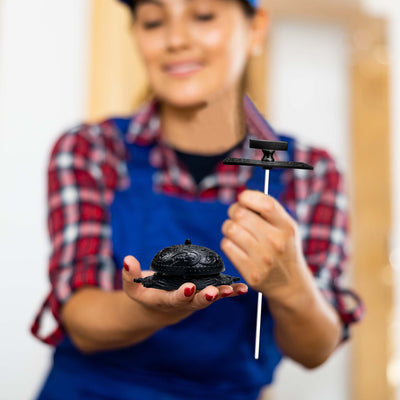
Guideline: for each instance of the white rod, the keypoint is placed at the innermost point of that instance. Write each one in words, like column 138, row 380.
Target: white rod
column 259, row 303
column 258, row 328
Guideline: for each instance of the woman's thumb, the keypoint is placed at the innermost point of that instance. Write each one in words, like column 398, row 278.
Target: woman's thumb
column 132, row 267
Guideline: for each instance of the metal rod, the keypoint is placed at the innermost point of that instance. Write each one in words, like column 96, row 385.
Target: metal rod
column 259, row 303
column 266, row 182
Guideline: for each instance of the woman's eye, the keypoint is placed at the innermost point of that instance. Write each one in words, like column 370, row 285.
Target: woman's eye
column 205, row 17
column 152, row 24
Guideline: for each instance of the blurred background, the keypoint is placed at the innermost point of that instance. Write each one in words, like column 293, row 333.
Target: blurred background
column 330, row 74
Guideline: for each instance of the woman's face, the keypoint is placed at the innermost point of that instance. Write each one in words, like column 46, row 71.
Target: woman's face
column 193, row 50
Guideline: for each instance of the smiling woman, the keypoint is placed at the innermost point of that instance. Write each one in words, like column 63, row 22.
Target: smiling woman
column 194, row 51
column 122, row 189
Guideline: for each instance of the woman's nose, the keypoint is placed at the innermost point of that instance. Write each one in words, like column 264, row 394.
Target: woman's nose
column 177, row 35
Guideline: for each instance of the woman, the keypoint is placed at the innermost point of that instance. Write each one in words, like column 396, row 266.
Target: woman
column 136, row 185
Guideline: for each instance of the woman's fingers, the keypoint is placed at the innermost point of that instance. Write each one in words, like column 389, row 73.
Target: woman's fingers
column 204, row 298
column 147, row 297
column 130, row 272
column 239, row 289
column 252, row 222
column 225, row 291
column 251, row 234
column 236, row 289
column 269, row 208
column 248, row 245
column 186, row 295
column 183, row 300
column 240, row 236
column 180, row 297
column 239, row 258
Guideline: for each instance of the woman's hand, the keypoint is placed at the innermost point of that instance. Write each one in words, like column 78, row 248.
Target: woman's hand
column 98, row 320
column 263, row 243
column 172, row 306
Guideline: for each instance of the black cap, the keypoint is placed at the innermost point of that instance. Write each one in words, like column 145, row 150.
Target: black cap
column 253, row 3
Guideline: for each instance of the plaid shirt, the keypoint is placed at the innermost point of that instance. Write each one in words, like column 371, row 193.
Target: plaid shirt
column 88, row 164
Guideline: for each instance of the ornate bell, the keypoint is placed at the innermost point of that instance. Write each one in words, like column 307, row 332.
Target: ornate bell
column 175, row 265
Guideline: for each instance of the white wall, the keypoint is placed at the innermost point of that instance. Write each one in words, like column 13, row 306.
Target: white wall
column 42, row 86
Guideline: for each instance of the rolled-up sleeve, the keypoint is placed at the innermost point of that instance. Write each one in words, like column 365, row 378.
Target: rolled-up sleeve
column 322, row 211
column 83, row 172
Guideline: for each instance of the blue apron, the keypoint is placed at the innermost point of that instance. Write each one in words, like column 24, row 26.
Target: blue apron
column 208, row 355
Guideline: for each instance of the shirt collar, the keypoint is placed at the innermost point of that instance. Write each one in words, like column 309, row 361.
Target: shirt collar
column 145, row 125
column 144, row 130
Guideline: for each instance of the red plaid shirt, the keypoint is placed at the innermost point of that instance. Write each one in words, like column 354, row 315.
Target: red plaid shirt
column 88, row 164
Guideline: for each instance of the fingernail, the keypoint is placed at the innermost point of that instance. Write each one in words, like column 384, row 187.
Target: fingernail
column 226, row 294
column 242, row 291
column 189, row 291
column 210, row 298
column 126, row 266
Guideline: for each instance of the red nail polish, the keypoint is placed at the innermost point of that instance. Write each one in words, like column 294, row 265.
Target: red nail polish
column 126, row 267
column 210, row 298
column 225, row 294
column 189, row 291
column 242, row 291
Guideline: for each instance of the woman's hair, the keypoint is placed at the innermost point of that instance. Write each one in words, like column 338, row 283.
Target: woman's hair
column 247, row 8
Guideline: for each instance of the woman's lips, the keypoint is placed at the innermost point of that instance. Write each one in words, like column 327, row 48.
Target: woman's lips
column 182, row 69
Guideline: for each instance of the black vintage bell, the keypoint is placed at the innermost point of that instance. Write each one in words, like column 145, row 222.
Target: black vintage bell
column 175, row 265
